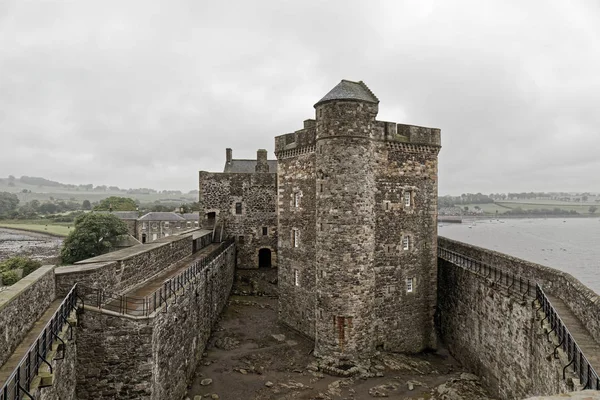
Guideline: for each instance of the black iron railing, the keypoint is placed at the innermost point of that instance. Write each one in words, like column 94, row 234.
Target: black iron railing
column 584, row 370
column 508, row 280
column 144, row 306
column 18, row 385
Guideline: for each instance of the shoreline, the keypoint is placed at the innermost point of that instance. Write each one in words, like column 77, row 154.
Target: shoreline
column 40, row 232
column 457, row 219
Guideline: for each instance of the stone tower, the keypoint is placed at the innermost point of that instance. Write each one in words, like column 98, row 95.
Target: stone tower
column 345, row 234
column 357, row 208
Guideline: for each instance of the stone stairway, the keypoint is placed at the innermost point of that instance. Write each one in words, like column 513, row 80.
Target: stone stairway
column 586, row 343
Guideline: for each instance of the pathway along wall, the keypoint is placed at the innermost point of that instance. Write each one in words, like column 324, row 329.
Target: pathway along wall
column 494, row 332
column 583, row 301
column 152, row 358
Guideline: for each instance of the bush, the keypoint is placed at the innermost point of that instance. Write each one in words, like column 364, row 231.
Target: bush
column 26, row 264
column 9, row 277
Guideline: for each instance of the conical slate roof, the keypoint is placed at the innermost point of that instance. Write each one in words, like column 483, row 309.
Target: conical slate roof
column 349, row 90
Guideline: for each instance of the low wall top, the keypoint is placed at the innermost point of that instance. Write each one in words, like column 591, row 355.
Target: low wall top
column 13, row 291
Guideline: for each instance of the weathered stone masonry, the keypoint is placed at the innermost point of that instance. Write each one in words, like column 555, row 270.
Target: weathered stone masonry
column 357, row 254
column 23, row 304
column 154, row 358
column 244, row 204
column 493, row 331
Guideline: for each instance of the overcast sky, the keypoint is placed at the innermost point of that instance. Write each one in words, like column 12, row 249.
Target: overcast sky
column 147, row 93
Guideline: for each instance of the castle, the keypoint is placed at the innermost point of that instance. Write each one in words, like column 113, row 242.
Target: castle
column 348, row 215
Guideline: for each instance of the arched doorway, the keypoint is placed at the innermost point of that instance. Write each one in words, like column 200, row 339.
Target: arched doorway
column 264, row 258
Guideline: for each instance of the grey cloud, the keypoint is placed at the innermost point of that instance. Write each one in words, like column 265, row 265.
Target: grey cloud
column 146, row 93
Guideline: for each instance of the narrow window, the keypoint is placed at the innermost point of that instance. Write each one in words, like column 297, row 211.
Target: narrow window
column 407, row 199
column 241, row 239
column 189, row 224
column 238, row 208
column 296, row 278
column 296, row 200
column 265, row 231
column 320, row 313
column 166, row 224
column 295, row 237
column 387, row 205
column 409, row 285
column 143, row 225
column 406, row 243
column 321, row 187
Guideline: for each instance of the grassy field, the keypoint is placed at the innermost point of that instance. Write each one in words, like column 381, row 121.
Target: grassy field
column 43, row 193
column 505, row 206
column 57, row 229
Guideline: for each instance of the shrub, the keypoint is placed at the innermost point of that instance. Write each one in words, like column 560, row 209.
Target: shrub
column 9, row 277
column 26, row 264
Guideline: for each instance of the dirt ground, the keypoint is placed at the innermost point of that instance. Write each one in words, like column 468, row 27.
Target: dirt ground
column 251, row 356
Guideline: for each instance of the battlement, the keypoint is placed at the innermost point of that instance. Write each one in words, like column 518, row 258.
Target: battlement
column 395, row 132
column 301, row 138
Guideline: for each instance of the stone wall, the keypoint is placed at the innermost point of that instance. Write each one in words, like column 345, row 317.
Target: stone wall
column 65, row 370
column 496, row 335
column 180, row 335
column 584, row 302
column 152, row 357
column 401, row 170
column 114, row 356
column 255, row 227
column 21, row 305
column 122, row 270
column 97, row 275
column 296, row 212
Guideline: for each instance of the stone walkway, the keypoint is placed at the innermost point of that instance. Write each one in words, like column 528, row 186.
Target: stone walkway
column 7, row 369
column 135, row 299
column 586, row 343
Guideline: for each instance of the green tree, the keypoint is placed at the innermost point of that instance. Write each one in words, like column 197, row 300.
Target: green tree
column 8, row 202
column 86, row 205
column 116, row 203
column 91, row 236
column 592, row 209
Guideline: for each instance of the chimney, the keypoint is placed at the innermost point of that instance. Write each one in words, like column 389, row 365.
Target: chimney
column 261, row 161
column 228, row 155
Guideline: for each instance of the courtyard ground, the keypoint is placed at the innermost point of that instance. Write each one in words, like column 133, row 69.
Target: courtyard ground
column 251, row 356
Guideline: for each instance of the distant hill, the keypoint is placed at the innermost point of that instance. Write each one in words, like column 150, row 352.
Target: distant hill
column 29, row 188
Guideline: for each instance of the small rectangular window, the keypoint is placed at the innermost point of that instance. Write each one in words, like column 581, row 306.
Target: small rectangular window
column 409, row 285
column 238, row 208
column 406, row 243
column 407, row 199
column 295, row 237
column 265, row 231
column 166, row 224
column 296, row 200
column 321, row 187
column 296, row 278
column 241, row 239
column 189, row 224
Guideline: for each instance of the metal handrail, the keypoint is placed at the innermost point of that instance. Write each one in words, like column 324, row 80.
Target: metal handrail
column 498, row 276
column 144, row 306
column 19, row 382
column 581, row 365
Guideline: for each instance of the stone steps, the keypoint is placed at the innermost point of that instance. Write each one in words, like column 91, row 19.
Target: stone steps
column 584, row 339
